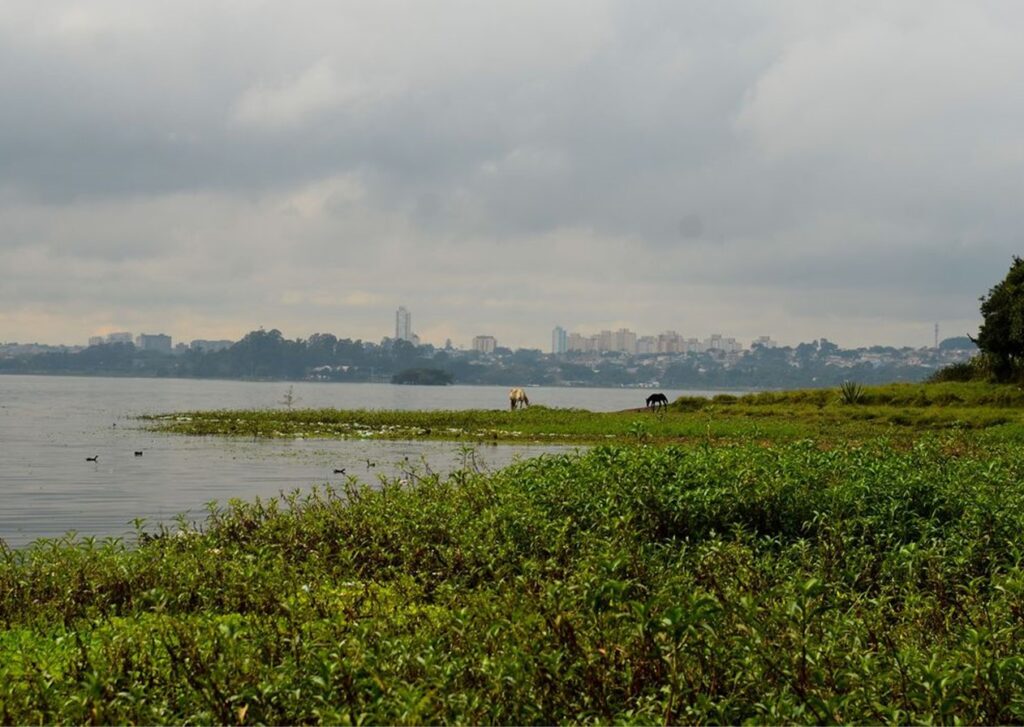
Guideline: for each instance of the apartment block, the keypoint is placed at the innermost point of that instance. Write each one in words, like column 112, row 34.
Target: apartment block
column 158, row 342
column 485, row 344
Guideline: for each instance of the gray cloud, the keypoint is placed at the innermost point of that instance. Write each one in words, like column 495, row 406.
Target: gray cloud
column 799, row 169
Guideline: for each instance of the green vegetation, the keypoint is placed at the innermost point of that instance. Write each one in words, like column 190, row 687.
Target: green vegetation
column 900, row 411
column 851, row 392
column 423, row 376
column 778, row 557
column 840, row 555
column 634, row 583
column 1001, row 336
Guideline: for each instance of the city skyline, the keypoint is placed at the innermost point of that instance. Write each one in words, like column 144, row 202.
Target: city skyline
column 560, row 339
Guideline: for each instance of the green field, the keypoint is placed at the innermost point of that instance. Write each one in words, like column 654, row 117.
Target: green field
column 900, row 411
column 776, row 558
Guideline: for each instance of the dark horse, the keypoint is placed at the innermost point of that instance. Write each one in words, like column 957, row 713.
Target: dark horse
column 656, row 401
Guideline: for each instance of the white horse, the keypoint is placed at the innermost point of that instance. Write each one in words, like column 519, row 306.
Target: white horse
column 517, row 398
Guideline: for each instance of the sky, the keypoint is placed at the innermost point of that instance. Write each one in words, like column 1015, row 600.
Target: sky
column 202, row 168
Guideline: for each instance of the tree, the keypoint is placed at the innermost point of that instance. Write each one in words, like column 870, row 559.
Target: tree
column 1001, row 335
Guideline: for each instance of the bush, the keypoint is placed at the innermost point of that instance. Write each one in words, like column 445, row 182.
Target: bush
column 962, row 371
column 636, row 584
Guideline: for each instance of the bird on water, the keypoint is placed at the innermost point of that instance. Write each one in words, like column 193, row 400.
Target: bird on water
column 94, row 458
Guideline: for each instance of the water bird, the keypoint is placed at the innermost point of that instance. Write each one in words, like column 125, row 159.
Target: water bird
column 94, row 458
column 370, row 464
column 339, row 471
column 138, row 453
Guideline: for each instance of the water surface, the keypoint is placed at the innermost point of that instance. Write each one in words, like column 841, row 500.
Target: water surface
column 49, row 425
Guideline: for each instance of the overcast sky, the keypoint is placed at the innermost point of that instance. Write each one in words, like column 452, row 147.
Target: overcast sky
column 808, row 169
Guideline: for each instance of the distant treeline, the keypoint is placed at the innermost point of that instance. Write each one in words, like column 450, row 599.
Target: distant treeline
column 325, row 357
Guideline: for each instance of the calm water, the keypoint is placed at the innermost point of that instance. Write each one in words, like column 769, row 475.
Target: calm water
column 49, row 425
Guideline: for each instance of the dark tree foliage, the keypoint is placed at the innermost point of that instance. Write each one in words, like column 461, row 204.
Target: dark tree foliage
column 1001, row 335
column 423, row 377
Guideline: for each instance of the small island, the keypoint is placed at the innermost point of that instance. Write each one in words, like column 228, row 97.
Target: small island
column 422, row 377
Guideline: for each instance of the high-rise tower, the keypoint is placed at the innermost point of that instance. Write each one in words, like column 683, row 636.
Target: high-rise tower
column 403, row 324
column 559, row 340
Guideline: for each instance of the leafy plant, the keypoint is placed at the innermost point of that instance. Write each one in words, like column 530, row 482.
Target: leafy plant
column 639, row 431
column 851, row 392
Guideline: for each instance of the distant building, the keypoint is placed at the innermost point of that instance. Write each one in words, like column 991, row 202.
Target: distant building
column 578, row 342
column 485, row 344
column 204, row 346
column 647, row 344
column 120, row 337
column 670, row 342
column 559, row 340
column 95, row 340
column 717, row 342
column 624, row 340
column 765, row 341
column 157, row 342
column 403, row 324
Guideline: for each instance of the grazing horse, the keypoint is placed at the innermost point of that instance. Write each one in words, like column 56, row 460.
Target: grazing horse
column 517, row 398
column 656, row 401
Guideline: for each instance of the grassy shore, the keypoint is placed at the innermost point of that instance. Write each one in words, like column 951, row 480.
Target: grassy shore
column 719, row 579
column 901, row 411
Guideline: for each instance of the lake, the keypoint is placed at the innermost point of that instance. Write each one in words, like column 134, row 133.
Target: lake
column 50, row 424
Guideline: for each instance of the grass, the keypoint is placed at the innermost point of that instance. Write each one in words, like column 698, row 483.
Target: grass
column 899, row 410
column 749, row 577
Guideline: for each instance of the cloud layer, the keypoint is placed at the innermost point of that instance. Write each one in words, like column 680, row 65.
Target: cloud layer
column 797, row 169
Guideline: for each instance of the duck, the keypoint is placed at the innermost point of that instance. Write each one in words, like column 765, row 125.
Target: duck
column 94, row 458
column 138, row 452
column 340, row 471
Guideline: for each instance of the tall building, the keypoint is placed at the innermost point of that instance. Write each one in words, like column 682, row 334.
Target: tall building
column 624, row 340
column 403, row 324
column 647, row 344
column 578, row 342
column 120, row 337
column 670, row 342
column 718, row 342
column 159, row 342
column 485, row 344
column 559, row 340
column 95, row 340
